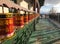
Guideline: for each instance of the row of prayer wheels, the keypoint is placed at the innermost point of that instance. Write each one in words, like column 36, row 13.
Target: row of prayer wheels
column 6, row 25
column 9, row 22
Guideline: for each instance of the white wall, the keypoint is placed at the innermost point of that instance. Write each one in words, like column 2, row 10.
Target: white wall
column 6, row 10
column 24, row 4
column 31, row 8
column 0, row 9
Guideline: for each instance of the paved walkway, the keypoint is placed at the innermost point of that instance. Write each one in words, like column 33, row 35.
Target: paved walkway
column 42, row 26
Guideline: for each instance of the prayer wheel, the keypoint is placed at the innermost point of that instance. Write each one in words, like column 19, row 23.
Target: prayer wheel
column 30, row 16
column 26, row 17
column 18, row 20
column 35, row 15
column 21, row 20
column 6, row 25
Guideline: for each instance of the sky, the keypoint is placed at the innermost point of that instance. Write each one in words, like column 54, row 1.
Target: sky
column 51, row 2
column 48, row 5
column 45, row 9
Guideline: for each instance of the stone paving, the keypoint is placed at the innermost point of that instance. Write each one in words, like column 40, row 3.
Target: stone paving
column 57, row 42
column 41, row 28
